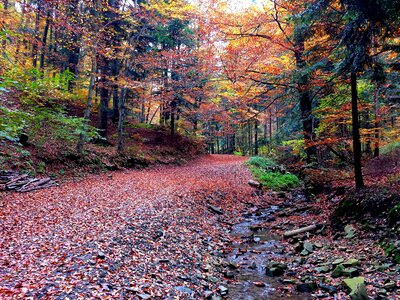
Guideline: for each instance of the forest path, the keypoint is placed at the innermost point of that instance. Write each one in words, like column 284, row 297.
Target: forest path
column 144, row 232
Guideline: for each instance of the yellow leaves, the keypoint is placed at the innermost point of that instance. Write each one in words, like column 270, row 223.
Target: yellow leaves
column 175, row 9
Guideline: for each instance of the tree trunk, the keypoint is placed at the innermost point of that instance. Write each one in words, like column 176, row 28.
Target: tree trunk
column 356, row 133
column 88, row 102
column 256, row 137
column 305, row 102
column 35, row 43
column 44, row 39
column 249, row 138
column 121, row 113
column 104, row 98
column 172, row 123
column 376, row 124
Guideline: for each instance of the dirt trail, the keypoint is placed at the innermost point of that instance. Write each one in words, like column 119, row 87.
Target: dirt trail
column 127, row 235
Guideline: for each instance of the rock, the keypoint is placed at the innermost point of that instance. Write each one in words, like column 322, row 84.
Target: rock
column 288, row 281
column 351, row 272
column 350, row 231
column 255, row 227
column 212, row 279
column 233, row 265
column 306, row 287
column 144, row 296
column 259, row 284
column 360, row 293
column 298, row 247
column 338, row 261
column 338, row 271
column 273, row 272
column 101, row 255
column 323, row 269
column 304, row 252
column 253, row 265
column 389, row 285
column 215, row 209
column 308, row 246
column 256, row 239
column 351, row 283
column 351, row 262
column 208, row 295
column 229, row 274
column 223, row 290
column 254, row 184
column 327, row 288
column 318, row 245
column 184, row 289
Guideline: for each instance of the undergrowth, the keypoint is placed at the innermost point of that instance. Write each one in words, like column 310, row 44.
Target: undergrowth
column 261, row 168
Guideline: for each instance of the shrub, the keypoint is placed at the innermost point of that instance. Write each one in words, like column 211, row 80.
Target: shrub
column 263, row 169
column 260, row 162
column 274, row 180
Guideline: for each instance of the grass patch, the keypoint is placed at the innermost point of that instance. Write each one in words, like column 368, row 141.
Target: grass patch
column 260, row 168
column 390, row 148
column 260, row 162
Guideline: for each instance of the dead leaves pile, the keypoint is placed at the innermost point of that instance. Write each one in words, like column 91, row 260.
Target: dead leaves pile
column 134, row 235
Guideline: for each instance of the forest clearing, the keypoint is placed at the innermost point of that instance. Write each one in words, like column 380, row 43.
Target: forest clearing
column 199, row 149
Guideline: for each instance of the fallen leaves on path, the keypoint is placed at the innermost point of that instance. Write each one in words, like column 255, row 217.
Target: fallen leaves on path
column 128, row 235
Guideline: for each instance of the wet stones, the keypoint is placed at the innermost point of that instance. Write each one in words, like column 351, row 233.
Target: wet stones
column 275, row 269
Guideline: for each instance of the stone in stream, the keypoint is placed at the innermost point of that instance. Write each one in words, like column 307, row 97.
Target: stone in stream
column 327, row 288
column 208, row 295
column 144, row 296
column 351, row 272
column 101, row 255
column 223, row 290
column 308, row 287
column 323, row 269
column 184, row 289
column 253, row 265
column 229, row 274
column 308, row 247
column 351, row 262
column 255, row 227
column 233, row 265
column 391, row 285
column 273, row 272
column 338, row 271
column 357, row 288
column 338, row 261
column 275, row 269
column 215, row 209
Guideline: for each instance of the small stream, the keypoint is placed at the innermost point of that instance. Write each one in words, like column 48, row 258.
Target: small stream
column 253, row 248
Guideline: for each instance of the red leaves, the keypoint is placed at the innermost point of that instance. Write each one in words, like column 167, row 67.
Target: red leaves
column 150, row 225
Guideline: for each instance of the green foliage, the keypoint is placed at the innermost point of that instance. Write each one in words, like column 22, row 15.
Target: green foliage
column 41, row 124
column 392, row 250
column 275, row 180
column 391, row 147
column 261, row 170
column 12, row 122
column 35, row 84
column 394, row 215
column 297, row 147
column 260, row 162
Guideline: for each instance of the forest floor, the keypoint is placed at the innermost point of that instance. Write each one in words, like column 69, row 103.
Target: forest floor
column 176, row 232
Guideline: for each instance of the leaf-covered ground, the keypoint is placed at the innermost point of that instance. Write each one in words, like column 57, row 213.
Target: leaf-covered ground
column 128, row 235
